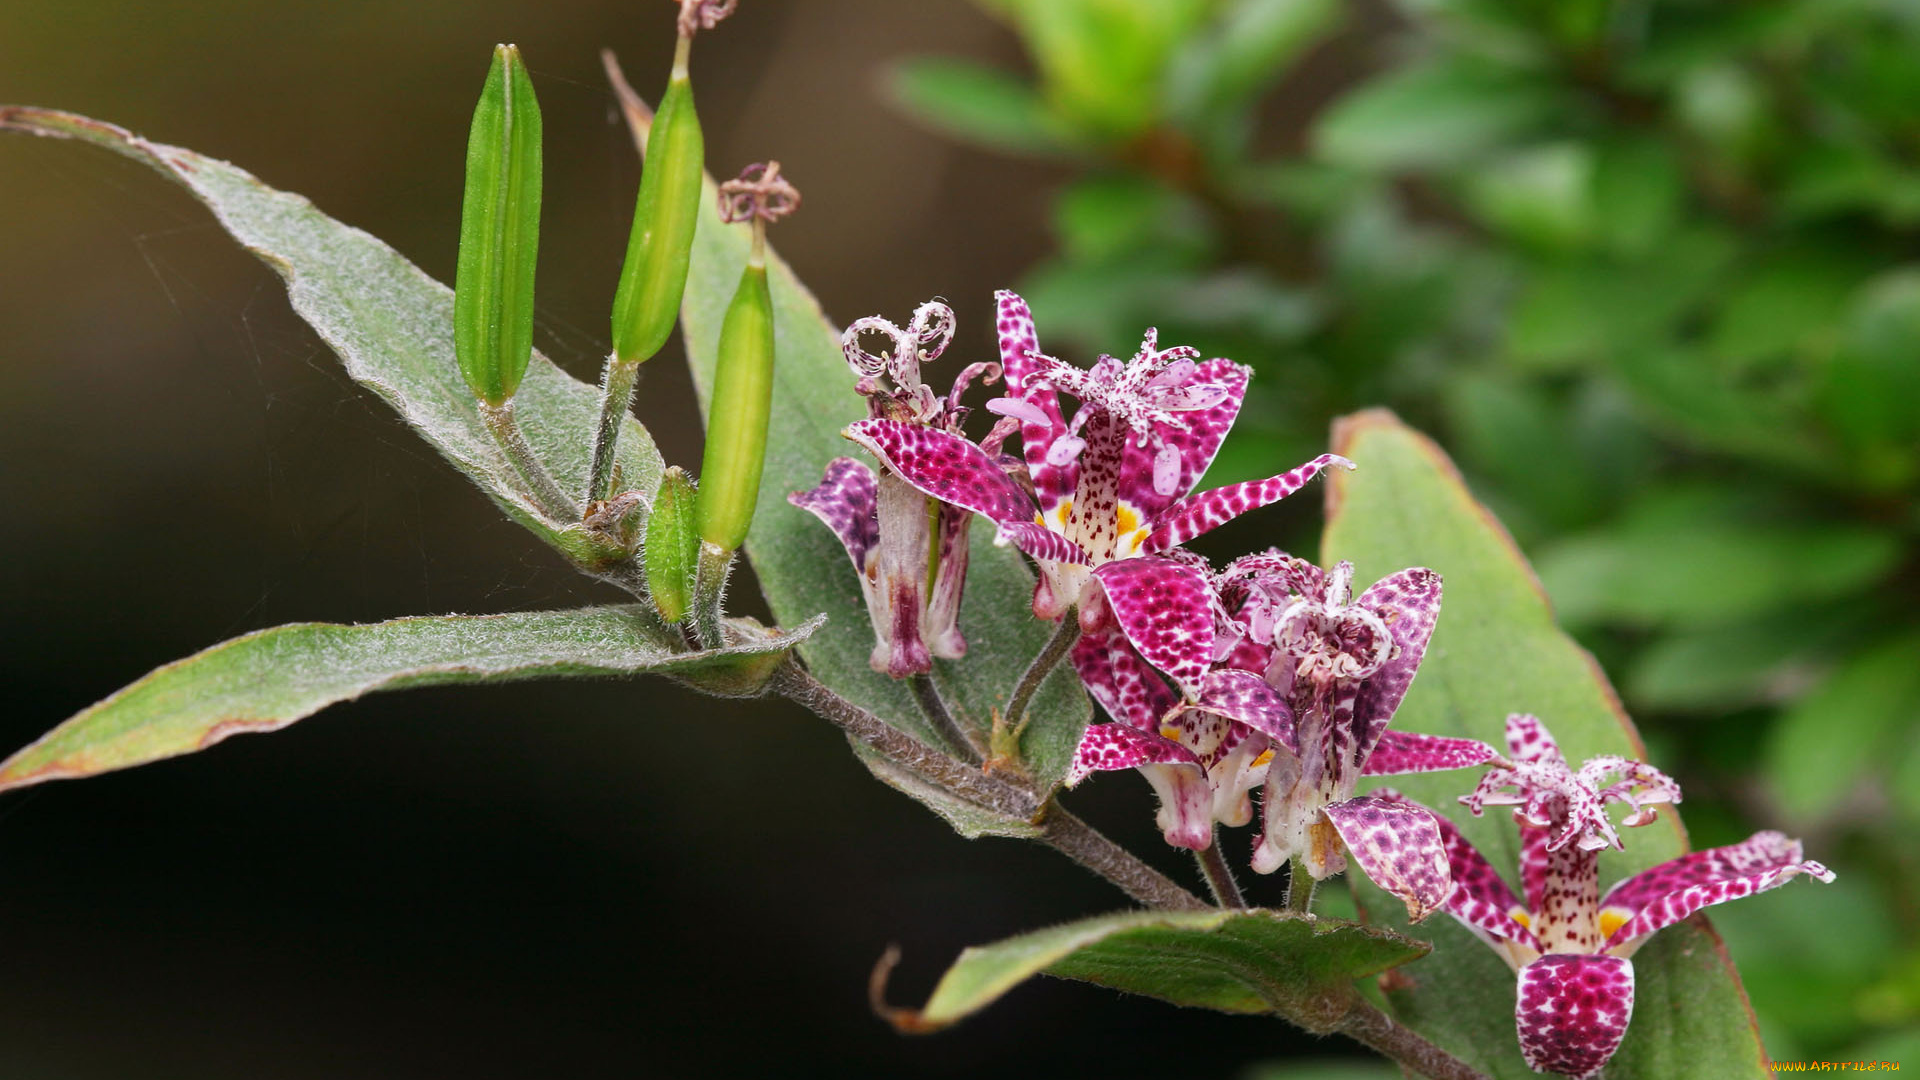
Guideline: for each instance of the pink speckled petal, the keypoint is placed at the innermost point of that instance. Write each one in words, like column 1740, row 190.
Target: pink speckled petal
column 1400, row 752
column 1398, row 845
column 1246, row 697
column 1020, row 361
column 1042, row 542
column 1197, row 514
column 1665, row 894
column 1409, row 603
column 1165, row 609
column 845, row 502
column 1108, row 747
column 1572, row 1012
column 1119, row 680
column 949, row 583
column 1529, row 742
column 1192, row 449
column 946, row 467
column 1481, row 899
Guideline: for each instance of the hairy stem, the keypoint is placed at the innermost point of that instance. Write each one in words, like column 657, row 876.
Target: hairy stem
column 710, row 594
column 540, row 486
column 1080, row 842
column 1370, row 1027
column 1051, row 654
column 1300, row 885
column 1213, row 865
column 935, row 710
column 616, row 394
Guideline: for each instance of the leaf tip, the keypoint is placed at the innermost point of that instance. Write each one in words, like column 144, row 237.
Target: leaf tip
column 904, row 1021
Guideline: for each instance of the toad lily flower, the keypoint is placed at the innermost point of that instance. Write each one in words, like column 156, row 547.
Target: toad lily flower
column 1298, row 701
column 909, row 550
column 1569, row 944
column 1111, row 486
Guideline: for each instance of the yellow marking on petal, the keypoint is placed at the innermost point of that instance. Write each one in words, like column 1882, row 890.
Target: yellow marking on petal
column 1125, row 519
column 1612, row 919
column 1265, row 756
column 1520, row 916
column 1062, row 512
column 1170, row 732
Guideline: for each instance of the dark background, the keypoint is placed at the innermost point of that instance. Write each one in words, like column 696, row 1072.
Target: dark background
column 571, row 880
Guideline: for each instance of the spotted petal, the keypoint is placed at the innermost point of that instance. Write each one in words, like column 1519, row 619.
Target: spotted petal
column 1186, row 799
column 1042, row 542
column 1409, row 603
column 1119, row 680
column 1165, row 608
column 1665, row 894
column 1572, row 1012
column 1114, row 746
column 946, row 467
column 1481, row 899
column 1019, row 359
column 1246, row 697
column 1196, row 444
column 1398, row 845
column 1400, row 752
column 845, row 501
column 1197, row 514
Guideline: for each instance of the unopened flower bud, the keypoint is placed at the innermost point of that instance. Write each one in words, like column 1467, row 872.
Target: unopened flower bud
column 499, row 233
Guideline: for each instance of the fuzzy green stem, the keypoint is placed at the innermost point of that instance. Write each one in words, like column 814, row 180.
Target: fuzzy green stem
column 1372, row 1028
column 1054, row 651
column 616, row 395
column 1213, row 866
column 546, row 494
column 927, row 696
column 710, row 594
column 1300, row 885
column 1080, row 842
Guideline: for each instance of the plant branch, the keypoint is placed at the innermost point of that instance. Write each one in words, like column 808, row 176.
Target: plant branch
column 616, row 395
column 540, row 486
column 1370, row 1027
column 1300, row 885
column 1213, row 865
column 1054, row 651
column 1080, row 842
column 935, row 710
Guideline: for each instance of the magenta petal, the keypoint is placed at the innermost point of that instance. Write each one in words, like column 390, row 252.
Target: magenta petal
column 1042, row 542
column 1481, row 899
column 1529, row 742
column 1663, row 895
column 1193, row 448
column 1409, row 603
column 1197, row 514
column 845, row 501
column 1572, row 1011
column 1108, row 747
column 1119, row 680
column 1165, row 609
column 1405, row 752
column 946, row 467
column 1021, row 364
column 1246, row 697
column 1398, row 845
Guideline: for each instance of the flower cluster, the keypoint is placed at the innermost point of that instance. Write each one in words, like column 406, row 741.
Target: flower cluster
column 1269, row 674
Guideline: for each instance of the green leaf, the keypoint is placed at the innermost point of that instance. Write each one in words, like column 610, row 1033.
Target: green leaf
column 1495, row 651
column 978, row 104
column 266, row 680
column 1248, row 47
column 1437, row 114
column 1540, row 196
column 1235, row 961
column 1103, row 63
column 1833, row 740
column 392, row 327
column 801, row 565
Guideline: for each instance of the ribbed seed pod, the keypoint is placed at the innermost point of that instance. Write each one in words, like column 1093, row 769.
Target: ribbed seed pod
column 742, row 399
column 499, row 233
column 672, row 548
column 655, row 273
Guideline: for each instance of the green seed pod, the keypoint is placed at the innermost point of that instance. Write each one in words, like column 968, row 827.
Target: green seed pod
column 655, row 274
column 742, row 399
column 499, row 233
column 672, row 548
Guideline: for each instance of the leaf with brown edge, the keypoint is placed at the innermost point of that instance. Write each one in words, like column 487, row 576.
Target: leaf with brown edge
column 266, row 680
column 1246, row 961
column 1497, row 650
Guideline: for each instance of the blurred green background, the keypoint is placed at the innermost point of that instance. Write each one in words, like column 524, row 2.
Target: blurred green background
column 1650, row 271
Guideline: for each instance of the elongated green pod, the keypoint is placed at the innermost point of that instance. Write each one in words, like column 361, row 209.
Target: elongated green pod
column 658, row 248
column 672, row 547
column 499, row 233
column 742, row 401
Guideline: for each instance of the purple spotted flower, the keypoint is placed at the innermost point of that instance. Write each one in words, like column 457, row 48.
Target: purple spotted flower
column 1105, row 490
column 1296, row 683
column 909, row 550
column 1569, row 944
